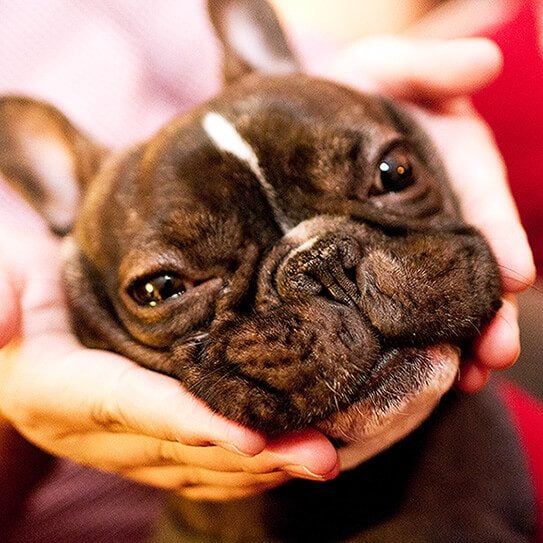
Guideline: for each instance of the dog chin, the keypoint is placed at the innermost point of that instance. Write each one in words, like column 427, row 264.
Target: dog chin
column 370, row 426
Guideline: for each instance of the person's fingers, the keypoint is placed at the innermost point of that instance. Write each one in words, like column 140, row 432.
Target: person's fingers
column 153, row 404
column 26, row 259
column 478, row 177
column 418, row 69
column 119, row 452
column 128, row 416
column 473, row 377
column 179, row 477
column 173, row 414
column 497, row 348
column 305, row 454
column 32, row 269
column 499, row 345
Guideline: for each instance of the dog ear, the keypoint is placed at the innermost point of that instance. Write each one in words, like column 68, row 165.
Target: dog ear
column 251, row 37
column 46, row 159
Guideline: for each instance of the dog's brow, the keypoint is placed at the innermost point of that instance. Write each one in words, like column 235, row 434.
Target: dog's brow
column 226, row 138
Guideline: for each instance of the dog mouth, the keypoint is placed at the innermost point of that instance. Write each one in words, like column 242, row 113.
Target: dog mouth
column 312, row 365
column 284, row 369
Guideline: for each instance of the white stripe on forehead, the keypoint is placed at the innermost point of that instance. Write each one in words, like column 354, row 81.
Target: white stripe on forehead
column 226, row 138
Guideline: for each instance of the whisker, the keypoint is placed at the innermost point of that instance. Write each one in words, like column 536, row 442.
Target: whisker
column 334, row 392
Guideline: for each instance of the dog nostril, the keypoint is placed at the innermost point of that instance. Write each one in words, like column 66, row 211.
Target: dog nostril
column 337, row 286
column 351, row 274
column 327, row 268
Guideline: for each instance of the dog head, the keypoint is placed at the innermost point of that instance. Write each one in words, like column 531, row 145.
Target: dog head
column 291, row 250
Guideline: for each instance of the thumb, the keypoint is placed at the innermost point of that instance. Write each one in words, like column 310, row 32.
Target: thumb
column 116, row 395
column 418, row 69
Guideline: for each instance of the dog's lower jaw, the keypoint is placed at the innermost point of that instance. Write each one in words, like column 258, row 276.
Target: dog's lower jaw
column 367, row 429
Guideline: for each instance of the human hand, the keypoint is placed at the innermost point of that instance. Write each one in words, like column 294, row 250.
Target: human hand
column 435, row 77
column 100, row 409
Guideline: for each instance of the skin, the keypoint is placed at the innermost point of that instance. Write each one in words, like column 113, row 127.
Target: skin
column 105, row 411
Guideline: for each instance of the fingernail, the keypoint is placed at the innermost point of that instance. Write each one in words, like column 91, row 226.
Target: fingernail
column 232, row 448
column 304, row 473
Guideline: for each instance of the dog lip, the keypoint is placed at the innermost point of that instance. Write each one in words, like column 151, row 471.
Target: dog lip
column 377, row 383
column 380, row 376
column 233, row 377
column 435, row 353
column 365, row 419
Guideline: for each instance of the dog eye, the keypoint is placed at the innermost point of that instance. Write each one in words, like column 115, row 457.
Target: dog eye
column 395, row 172
column 152, row 291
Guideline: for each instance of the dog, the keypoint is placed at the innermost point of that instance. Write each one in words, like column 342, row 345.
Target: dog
column 291, row 251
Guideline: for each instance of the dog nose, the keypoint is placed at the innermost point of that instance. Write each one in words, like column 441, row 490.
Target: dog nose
column 321, row 267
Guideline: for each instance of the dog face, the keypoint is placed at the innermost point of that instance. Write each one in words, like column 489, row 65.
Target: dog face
column 290, row 251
